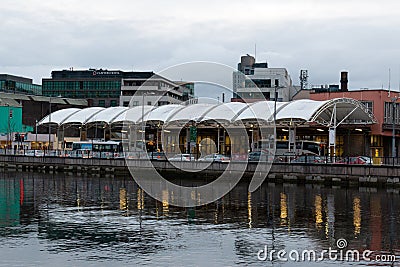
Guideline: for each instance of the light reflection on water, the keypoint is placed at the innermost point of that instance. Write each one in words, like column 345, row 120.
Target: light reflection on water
column 48, row 219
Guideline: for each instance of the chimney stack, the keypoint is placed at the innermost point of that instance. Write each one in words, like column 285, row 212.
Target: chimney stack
column 344, row 81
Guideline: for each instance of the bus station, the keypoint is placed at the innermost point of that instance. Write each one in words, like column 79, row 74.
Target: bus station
column 302, row 126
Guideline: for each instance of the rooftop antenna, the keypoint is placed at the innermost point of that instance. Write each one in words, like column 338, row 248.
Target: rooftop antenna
column 399, row 78
column 389, row 83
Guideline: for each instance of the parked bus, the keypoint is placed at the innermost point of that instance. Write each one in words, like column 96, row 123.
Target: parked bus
column 96, row 149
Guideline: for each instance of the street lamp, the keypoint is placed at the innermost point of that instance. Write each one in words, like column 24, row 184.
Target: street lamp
column 143, row 122
column 394, row 99
column 48, row 148
column 275, row 99
column 8, row 126
column 36, row 133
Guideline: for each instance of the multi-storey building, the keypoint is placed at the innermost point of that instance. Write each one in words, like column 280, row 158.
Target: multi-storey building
column 107, row 88
column 256, row 81
column 157, row 91
column 375, row 140
column 16, row 84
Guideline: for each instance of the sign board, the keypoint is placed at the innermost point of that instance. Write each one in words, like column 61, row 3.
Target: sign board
column 193, row 134
column 332, row 136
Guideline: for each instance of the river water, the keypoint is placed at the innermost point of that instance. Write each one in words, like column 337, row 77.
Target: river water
column 66, row 220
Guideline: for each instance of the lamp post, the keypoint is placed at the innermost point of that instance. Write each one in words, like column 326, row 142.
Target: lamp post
column 394, row 99
column 8, row 126
column 48, row 148
column 143, row 122
column 35, row 134
column 275, row 99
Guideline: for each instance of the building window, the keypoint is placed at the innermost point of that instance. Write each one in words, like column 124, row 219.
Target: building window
column 102, row 103
column 376, row 141
column 135, row 103
column 113, row 103
column 369, row 105
column 276, row 82
column 389, row 115
column 149, row 103
column 126, row 103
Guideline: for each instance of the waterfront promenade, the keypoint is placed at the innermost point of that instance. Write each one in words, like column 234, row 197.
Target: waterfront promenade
column 342, row 174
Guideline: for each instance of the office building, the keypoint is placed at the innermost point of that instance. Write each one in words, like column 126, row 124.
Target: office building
column 256, row 81
column 157, row 91
column 107, row 88
column 16, row 84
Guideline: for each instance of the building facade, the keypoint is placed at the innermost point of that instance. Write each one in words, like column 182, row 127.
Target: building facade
column 108, row 88
column 156, row 91
column 385, row 105
column 16, row 84
column 10, row 121
column 256, row 81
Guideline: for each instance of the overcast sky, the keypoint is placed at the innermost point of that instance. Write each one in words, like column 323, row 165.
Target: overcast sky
column 325, row 37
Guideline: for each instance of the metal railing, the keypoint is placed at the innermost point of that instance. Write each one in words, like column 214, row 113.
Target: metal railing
column 304, row 159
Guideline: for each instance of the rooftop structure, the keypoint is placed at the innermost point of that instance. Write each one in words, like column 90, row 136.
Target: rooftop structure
column 256, row 81
column 17, row 84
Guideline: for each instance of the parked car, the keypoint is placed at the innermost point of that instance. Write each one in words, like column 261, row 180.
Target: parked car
column 34, row 153
column 157, row 156
column 308, row 159
column 215, row 158
column 361, row 160
column 182, row 157
column 257, row 156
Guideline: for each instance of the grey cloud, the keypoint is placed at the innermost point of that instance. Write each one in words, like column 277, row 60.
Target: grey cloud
column 39, row 43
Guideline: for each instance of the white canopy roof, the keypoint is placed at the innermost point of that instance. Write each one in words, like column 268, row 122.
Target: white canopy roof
column 301, row 109
column 263, row 110
column 82, row 116
column 225, row 111
column 107, row 115
column 191, row 113
column 59, row 116
column 163, row 113
column 345, row 110
column 132, row 115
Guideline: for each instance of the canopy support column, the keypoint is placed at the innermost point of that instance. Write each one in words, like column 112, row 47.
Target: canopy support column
column 332, row 135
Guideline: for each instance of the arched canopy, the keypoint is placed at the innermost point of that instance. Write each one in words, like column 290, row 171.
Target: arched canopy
column 132, row 115
column 225, row 112
column 58, row 116
column 262, row 110
column 344, row 111
column 190, row 113
column 161, row 114
column 299, row 110
column 107, row 115
column 329, row 113
column 82, row 116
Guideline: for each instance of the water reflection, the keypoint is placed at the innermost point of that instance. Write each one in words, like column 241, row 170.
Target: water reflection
column 112, row 219
column 357, row 216
column 318, row 211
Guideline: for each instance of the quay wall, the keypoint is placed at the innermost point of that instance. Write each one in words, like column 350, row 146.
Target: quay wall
column 375, row 175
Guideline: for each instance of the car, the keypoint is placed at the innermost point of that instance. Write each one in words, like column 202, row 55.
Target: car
column 157, row 155
column 308, row 159
column 360, row 160
column 215, row 158
column 34, row 153
column 182, row 157
column 261, row 156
